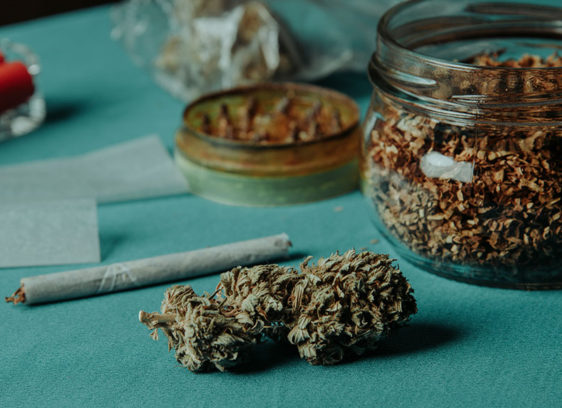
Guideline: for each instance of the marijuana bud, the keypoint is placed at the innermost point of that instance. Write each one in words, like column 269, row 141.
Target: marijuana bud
column 261, row 294
column 347, row 303
column 343, row 304
column 204, row 334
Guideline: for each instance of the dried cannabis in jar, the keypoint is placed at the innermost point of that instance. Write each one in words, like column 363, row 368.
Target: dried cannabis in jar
column 487, row 194
column 341, row 306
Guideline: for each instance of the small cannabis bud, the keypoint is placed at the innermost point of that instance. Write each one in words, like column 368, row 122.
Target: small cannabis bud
column 342, row 305
column 261, row 293
column 347, row 303
column 204, row 334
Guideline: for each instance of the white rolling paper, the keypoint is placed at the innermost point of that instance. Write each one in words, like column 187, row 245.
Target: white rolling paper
column 136, row 169
column 48, row 233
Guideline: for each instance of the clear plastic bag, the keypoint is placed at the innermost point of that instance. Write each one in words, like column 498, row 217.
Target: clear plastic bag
column 196, row 46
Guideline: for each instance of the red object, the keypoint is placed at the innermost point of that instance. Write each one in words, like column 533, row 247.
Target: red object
column 2, row 59
column 16, row 85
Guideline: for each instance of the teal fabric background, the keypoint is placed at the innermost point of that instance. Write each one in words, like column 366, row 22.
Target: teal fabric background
column 467, row 346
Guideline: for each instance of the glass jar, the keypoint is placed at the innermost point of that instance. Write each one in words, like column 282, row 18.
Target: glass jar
column 30, row 111
column 462, row 159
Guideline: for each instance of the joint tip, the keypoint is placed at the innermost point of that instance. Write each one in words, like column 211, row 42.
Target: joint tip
column 17, row 297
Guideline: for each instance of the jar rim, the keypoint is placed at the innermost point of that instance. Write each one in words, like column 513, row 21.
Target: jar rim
column 462, row 91
column 384, row 33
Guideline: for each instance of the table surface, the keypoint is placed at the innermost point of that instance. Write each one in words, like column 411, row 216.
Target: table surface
column 468, row 345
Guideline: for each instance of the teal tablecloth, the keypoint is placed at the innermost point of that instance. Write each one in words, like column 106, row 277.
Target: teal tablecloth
column 467, row 346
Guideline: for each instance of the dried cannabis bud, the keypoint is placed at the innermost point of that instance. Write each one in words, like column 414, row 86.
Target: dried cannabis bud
column 345, row 303
column 261, row 295
column 204, row 334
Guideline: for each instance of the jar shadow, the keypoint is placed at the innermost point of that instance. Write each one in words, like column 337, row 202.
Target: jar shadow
column 63, row 109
